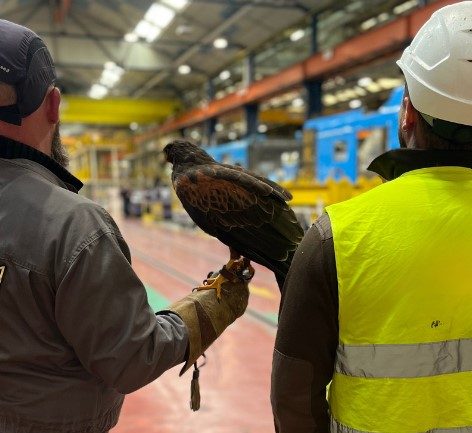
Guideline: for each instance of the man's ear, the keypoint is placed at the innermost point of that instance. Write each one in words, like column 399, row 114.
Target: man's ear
column 53, row 103
column 409, row 118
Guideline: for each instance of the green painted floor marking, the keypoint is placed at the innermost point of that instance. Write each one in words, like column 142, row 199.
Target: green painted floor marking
column 273, row 317
column 156, row 300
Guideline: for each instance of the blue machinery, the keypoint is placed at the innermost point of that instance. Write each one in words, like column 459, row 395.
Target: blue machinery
column 344, row 144
column 235, row 152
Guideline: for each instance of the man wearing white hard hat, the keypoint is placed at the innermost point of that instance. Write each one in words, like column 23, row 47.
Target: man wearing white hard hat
column 378, row 299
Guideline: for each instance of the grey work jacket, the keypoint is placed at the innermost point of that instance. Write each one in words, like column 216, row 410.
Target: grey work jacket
column 76, row 330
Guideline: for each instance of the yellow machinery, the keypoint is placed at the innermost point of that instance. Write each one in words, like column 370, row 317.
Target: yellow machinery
column 310, row 198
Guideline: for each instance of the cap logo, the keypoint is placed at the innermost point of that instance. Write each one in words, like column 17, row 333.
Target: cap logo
column 4, row 69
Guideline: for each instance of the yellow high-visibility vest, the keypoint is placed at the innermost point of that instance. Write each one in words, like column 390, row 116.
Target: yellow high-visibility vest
column 404, row 265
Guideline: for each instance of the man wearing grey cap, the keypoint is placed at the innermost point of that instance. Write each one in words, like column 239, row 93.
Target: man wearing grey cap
column 76, row 331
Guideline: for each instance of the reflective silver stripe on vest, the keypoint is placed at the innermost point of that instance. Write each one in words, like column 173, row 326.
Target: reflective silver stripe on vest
column 405, row 360
column 340, row 428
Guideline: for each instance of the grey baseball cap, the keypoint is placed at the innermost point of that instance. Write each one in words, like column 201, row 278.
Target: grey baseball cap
column 25, row 64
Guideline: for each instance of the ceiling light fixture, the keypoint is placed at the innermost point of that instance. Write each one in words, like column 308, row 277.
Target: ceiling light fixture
column 146, row 30
column 220, row 43
column 156, row 19
column 403, row 7
column 109, row 79
column 360, row 91
column 98, row 91
column 224, row 75
column 131, row 37
column 355, row 103
column 159, row 15
column 350, row 93
column 184, row 69
column 195, row 135
column 364, row 81
column 342, row 96
column 383, row 17
column 112, row 66
column 366, row 25
column 390, row 83
column 298, row 102
column 262, row 128
column 176, row 4
column 373, row 87
column 111, row 74
column 329, row 99
column 219, row 127
column 297, row 35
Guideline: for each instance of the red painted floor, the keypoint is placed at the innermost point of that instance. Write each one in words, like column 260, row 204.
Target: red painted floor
column 235, row 382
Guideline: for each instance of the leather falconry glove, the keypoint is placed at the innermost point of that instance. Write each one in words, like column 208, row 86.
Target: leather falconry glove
column 206, row 316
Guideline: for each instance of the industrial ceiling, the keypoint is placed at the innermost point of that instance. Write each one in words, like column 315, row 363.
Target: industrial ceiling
column 172, row 48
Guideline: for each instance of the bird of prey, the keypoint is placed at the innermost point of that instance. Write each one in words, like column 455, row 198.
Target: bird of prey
column 246, row 212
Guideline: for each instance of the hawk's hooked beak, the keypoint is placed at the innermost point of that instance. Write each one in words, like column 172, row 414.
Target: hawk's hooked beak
column 166, row 156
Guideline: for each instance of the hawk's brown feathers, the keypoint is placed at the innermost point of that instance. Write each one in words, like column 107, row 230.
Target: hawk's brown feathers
column 244, row 211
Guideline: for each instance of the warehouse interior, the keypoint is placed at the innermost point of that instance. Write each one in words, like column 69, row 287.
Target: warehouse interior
column 303, row 92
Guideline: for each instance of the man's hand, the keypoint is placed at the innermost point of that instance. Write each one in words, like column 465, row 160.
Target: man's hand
column 206, row 316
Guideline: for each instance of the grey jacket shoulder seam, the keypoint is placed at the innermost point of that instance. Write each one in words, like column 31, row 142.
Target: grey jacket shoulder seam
column 86, row 242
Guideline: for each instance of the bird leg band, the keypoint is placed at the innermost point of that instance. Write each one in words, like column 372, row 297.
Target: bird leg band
column 237, row 270
column 228, row 274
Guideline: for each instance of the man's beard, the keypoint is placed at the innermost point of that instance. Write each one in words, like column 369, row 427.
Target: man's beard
column 58, row 151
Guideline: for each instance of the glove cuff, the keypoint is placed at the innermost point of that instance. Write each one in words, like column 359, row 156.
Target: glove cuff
column 205, row 318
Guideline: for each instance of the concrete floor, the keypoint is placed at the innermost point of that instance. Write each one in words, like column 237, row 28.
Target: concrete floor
column 235, row 382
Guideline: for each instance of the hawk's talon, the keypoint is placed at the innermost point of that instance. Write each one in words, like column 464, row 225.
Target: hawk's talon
column 213, row 283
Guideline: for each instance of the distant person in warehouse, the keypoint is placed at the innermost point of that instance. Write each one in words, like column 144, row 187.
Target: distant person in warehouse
column 76, row 330
column 125, row 194
column 379, row 295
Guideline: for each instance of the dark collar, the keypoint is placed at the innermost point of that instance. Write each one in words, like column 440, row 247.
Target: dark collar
column 11, row 149
column 394, row 163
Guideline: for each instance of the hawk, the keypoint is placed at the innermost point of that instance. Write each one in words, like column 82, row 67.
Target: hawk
column 246, row 212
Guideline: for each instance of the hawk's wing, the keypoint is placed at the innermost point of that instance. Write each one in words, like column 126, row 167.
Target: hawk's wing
column 241, row 210
column 282, row 192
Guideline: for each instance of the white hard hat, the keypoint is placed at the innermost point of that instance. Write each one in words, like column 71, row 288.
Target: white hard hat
column 438, row 65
